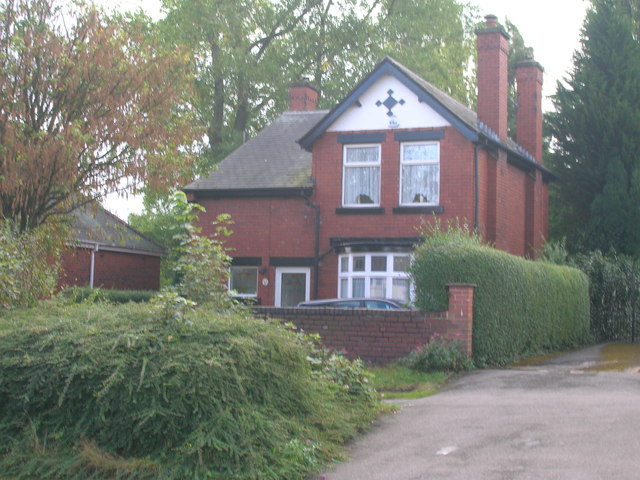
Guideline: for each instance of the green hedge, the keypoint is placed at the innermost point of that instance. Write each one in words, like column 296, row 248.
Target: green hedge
column 521, row 307
column 108, row 391
column 83, row 294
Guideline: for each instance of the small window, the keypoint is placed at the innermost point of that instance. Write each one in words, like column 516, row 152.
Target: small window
column 401, row 263
column 378, row 287
column 243, row 281
column 358, row 287
column 344, row 264
column 361, row 176
column 379, row 263
column 401, row 289
column 420, row 174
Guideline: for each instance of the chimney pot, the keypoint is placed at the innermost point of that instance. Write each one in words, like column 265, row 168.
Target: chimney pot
column 491, row 21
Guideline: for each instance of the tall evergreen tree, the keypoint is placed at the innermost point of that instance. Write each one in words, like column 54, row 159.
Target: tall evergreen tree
column 596, row 136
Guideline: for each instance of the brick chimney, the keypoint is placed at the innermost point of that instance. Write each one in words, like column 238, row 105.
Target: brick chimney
column 529, row 115
column 493, row 81
column 302, row 96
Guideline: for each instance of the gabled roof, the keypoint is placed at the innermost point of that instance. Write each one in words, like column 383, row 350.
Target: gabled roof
column 270, row 161
column 273, row 163
column 94, row 226
column 457, row 114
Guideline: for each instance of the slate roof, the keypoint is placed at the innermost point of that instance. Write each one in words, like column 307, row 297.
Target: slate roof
column 93, row 224
column 274, row 160
column 270, row 160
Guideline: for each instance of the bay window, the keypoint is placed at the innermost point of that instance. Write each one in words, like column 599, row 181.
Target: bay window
column 379, row 275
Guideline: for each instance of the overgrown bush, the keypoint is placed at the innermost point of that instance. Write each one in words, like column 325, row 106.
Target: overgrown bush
column 351, row 376
column 614, row 290
column 110, row 391
column 439, row 354
column 29, row 264
column 88, row 294
column 520, row 306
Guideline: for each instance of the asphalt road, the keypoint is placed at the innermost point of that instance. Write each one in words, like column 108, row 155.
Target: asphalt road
column 557, row 420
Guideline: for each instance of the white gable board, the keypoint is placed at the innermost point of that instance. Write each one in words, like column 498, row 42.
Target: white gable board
column 388, row 103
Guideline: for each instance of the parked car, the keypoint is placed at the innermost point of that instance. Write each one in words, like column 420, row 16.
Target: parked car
column 379, row 303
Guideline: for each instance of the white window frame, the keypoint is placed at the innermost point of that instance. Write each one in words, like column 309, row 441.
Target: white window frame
column 389, row 275
column 280, row 271
column 238, row 294
column 404, row 162
column 378, row 165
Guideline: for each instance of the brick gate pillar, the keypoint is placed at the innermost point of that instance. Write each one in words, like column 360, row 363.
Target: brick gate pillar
column 460, row 315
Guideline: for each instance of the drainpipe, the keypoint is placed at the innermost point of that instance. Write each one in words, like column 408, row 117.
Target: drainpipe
column 316, row 245
column 475, row 188
column 93, row 264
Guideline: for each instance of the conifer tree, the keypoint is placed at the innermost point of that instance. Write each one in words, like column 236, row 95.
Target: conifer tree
column 596, row 137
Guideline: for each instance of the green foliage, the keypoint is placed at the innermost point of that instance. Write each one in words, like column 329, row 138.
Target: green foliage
column 614, row 290
column 28, row 264
column 108, row 391
column 435, row 39
column 168, row 220
column 554, row 252
column 172, row 307
column 596, row 202
column 438, row 355
column 203, row 265
column 519, row 306
column 246, row 52
column 350, row 376
column 88, row 294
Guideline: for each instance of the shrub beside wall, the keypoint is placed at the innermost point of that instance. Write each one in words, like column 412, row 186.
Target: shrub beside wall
column 520, row 306
column 113, row 391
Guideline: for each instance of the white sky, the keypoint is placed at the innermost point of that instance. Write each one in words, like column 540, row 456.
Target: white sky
column 551, row 27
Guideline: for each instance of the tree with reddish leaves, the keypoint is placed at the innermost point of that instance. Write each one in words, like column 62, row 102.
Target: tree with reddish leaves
column 89, row 104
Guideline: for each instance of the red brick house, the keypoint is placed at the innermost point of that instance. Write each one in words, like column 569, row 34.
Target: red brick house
column 109, row 253
column 326, row 203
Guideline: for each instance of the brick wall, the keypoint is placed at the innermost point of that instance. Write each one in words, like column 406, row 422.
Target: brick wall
column 113, row 270
column 264, row 228
column 381, row 336
column 456, row 196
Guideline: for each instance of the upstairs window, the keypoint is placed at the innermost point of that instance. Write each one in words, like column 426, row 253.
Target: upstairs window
column 361, row 176
column 420, row 174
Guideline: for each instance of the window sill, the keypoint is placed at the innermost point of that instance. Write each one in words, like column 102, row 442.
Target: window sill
column 360, row 211
column 418, row 209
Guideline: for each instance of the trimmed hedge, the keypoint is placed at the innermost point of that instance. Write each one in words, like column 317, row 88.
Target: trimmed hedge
column 83, row 294
column 521, row 307
column 109, row 391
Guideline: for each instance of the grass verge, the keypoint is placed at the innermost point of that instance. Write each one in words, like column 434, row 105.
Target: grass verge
column 400, row 382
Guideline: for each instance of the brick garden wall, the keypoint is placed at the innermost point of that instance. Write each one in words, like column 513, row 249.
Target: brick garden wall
column 381, row 336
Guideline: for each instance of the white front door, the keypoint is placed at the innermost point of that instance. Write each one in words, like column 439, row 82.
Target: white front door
column 292, row 285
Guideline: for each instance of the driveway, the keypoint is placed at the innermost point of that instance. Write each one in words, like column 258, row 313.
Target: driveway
column 562, row 419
